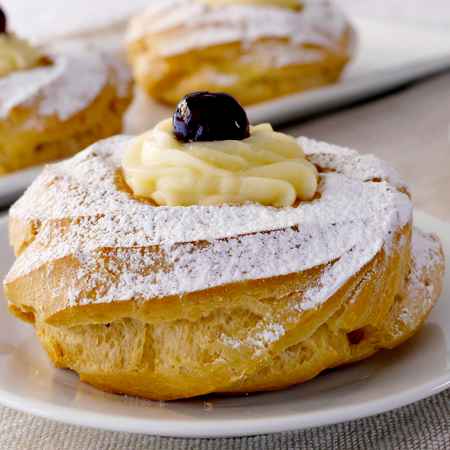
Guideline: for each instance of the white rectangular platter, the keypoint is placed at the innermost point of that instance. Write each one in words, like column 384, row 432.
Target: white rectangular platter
column 388, row 55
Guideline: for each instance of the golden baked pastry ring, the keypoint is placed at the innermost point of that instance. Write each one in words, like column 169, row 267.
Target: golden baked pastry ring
column 172, row 302
column 51, row 112
column 253, row 52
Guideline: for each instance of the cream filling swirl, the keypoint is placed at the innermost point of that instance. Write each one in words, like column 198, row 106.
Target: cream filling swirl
column 17, row 54
column 268, row 167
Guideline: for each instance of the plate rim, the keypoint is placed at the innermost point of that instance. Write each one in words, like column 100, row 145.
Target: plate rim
column 214, row 428
column 238, row 427
column 12, row 185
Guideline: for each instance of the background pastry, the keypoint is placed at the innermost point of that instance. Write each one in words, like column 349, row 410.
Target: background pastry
column 173, row 301
column 254, row 50
column 55, row 103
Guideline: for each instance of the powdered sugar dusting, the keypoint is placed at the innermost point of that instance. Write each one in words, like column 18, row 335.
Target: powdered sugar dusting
column 265, row 334
column 64, row 88
column 177, row 26
column 425, row 251
column 121, row 72
column 271, row 333
column 126, row 249
column 426, row 255
column 351, row 163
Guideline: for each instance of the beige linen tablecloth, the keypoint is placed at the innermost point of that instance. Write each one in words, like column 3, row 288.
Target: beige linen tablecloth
column 410, row 128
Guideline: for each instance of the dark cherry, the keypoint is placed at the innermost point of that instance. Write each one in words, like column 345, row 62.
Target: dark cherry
column 207, row 116
column 3, row 22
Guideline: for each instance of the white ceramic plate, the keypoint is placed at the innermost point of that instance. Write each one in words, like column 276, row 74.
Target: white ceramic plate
column 388, row 56
column 12, row 186
column 388, row 380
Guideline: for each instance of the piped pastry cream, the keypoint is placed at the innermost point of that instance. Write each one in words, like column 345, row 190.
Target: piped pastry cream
column 266, row 167
column 17, row 54
column 269, row 168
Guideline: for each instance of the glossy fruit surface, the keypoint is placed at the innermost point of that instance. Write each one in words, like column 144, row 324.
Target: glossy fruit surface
column 206, row 116
column 3, row 21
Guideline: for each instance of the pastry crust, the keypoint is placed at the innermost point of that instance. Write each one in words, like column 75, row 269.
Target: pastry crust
column 137, row 306
column 44, row 117
column 253, row 61
column 169, row 359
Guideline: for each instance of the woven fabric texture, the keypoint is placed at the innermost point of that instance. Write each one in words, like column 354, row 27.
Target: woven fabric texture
column 424, row 425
